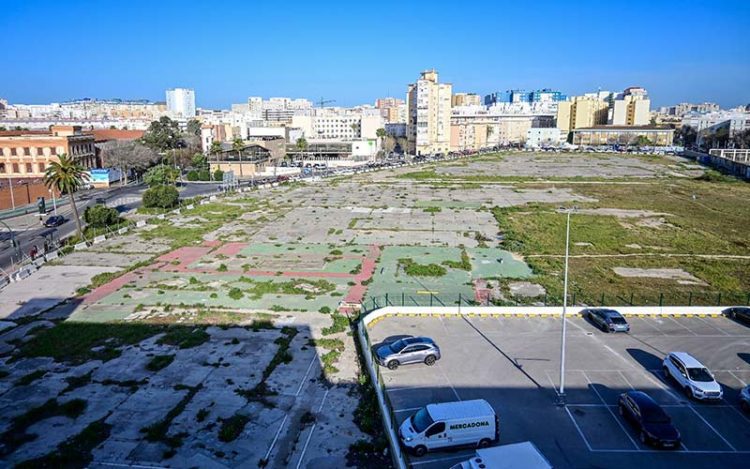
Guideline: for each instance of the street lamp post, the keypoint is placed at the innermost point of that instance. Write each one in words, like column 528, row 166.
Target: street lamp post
column 561, row 393
column 54, row 201
column 12, row 197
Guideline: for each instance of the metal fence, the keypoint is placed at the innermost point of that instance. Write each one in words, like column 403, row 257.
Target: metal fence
column 672, row 298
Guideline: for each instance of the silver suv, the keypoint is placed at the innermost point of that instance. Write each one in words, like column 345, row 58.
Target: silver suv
column 408, row 350
column 692, row 376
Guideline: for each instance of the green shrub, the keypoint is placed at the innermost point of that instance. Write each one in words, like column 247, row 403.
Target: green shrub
column 161, row 197
column 192, row 175
column 160, row 175
column 218, row 175
column 421, row 270
column 235, row 293
column 99, row 216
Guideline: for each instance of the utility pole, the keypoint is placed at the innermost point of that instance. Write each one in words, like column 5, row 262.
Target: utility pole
column 561, row 393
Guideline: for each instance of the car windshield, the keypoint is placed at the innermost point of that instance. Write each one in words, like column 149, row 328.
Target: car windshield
column 398, row 345
column 617, row 319
column 421, row 420
column 699, row 374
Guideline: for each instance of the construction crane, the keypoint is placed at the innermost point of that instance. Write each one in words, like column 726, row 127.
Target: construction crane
column 322, row 102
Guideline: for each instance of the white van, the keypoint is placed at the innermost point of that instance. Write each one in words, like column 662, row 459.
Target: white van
column 525, row 455
column 450, row 424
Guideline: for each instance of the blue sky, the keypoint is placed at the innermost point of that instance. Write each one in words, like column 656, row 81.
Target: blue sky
column 357, row 51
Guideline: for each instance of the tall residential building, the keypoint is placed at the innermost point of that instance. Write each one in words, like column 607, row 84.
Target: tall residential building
column 582, row 111
column 429, row 114
column 522, row 96
column 631, row 107
column 681, row 109
column 466, row 99
column 393, row 110
column 181, row 103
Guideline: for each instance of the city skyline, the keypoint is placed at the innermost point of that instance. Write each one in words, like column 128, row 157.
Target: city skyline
column 226, row 54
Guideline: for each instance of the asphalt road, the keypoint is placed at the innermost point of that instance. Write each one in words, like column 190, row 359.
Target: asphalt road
column 28, row 230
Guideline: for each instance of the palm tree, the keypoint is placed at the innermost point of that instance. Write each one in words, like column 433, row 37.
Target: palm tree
column 238, row 145
column 67, row 176
column 302, row 146
column 215, row 149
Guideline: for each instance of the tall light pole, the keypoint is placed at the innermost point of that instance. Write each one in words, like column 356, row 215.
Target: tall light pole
column 561, row 392
column 54, row 202
column 12, row 197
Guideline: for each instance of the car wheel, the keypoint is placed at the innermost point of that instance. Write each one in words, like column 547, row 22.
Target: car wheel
column 430, row 360
column 420, row 451
column 392, row 365
column 483, row 443
column 688, row 392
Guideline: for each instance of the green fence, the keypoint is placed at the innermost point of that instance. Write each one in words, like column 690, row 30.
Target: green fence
column 700, row 298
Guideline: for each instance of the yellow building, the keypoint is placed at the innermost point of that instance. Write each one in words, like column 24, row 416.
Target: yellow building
column 582, row 111
column 466, row 99
column 429, row 114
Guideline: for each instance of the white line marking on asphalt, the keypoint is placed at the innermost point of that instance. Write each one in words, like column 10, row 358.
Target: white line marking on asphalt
column 276, row 437
column 304, row 448
column 744, row 383
column 619, row 423
column 304, row 378
column 449, row 383
column 324, row 400
column 440, row 459
column 712, row 428
column 712, row 326
column 580, row 432
column 622, row 375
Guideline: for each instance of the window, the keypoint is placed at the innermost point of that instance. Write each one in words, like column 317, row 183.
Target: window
column 15, row 168
column 12, row 152
column 27, row 151
column 435, row 429
column 2, row 168
column 40, row 151
column 53, row 150
column 29, row 168
column 41, row 167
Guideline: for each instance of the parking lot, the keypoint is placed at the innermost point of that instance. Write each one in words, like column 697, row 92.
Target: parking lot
column 513, row 363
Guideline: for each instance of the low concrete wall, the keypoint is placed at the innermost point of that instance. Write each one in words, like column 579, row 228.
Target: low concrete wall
column 734, row 168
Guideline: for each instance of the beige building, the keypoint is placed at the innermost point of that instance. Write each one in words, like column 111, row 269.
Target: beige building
column 625, row 135
column 582, row 111
column 631, row 107
column 477, row 131
column 429, row 115
column 466, row 99
column 26, row 154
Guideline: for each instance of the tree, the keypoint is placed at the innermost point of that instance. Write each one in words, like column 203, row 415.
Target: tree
column 237, row 145
column 302, row 146
column 67, row 176
column 199, row 160
column 380, row 133
column 194, row 127
column 163, row 135
column 100, row 216
column 160, row 175
column 642, row 141
column 128, row 156
column 687, row 136
column 161, row 197
column 742, row 139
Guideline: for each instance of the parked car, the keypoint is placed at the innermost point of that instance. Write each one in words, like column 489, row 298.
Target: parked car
column 692, row 376
column 408, row 350
column 54, row 220
column 100, row 201
column 608, row 320
column 740, row 313
column 653, row 424
column 745, row 398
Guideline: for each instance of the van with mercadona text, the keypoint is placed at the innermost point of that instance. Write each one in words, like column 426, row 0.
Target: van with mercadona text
column 449, row 425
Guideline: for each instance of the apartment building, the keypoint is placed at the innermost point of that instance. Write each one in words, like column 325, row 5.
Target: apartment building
column 338, row 124
column 181, row 103
column 26, row 154
column 466, row 99
column 393, row 110
column 631, row 107
column 429, row 115
column 582, row 111
column 523, row 96
column 476, row 127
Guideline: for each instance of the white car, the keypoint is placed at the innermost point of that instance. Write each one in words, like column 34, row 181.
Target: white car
column 692, row 376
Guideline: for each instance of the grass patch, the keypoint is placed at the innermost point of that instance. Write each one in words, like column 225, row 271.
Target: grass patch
column 184, row 337
column 340, row 324
column 232, row 427
column 17, row 434
column 421, row 270
column 30, row 378
column 432, row 209
column 75, row 452
column 159, row 362
column 159, row 431
column 465, row 263
column 235, row 293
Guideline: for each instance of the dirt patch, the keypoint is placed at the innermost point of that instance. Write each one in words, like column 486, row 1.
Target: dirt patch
column 682, row 277
column 623, row 213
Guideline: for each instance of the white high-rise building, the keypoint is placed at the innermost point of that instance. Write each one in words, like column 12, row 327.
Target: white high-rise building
column 429, row 113
column 181, row 103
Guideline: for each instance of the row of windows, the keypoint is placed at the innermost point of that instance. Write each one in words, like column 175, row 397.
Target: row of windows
column 27, row 151
column 29, row 168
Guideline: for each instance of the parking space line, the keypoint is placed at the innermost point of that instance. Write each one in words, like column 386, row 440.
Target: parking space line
column 712, row 326
column 580, row 432
column 276, row 437
column 712, row 428
column 622, row 375
column 304, row 378
column 304, row 448
column 681, row 325
column 744, row 383
column 610, row 411
column 448, row 458
column 449, row 383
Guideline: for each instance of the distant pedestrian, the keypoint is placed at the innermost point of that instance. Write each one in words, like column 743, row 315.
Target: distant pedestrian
column 46, row 246
column 34, row 251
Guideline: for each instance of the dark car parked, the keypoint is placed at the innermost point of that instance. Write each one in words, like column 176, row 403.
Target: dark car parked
column 653, row 424
column 740, row 313
column 607, row 320
column 54, row 220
